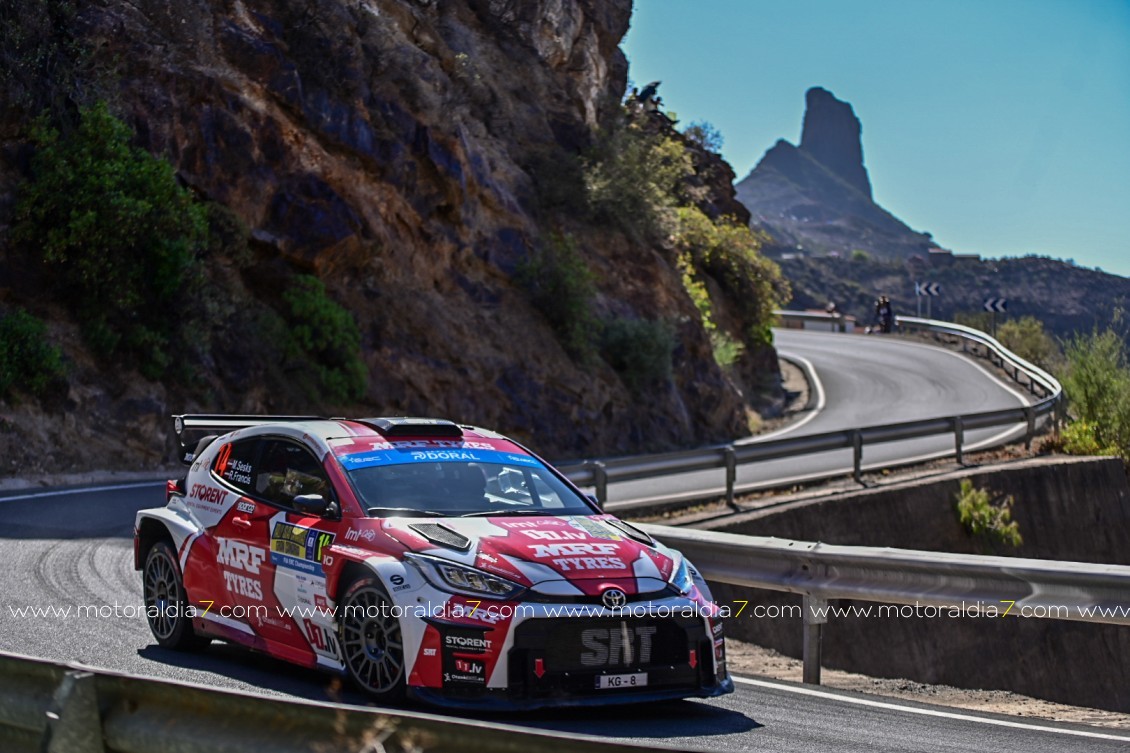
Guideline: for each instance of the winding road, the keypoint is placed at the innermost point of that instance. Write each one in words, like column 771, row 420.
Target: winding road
column 860, row 381
column 67, row 549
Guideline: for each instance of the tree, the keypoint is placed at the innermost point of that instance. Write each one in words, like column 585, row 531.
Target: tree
column 1027, row 338
column 705, row 135
column 1097, row 383
column 114, row 232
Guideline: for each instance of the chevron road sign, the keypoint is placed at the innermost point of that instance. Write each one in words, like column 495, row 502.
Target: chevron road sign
column 927, row 288
column 996, row 304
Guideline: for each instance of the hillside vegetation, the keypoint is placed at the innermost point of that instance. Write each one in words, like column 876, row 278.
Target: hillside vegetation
column 368, row 208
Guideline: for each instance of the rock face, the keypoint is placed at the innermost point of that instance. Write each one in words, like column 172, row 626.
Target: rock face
column 831, row 135
column 815, row 199
column 386, row 147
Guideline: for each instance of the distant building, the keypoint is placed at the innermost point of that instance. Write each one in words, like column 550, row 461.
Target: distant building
column 940, row 257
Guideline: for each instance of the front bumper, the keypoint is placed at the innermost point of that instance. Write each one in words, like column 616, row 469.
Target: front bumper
column 555, row 661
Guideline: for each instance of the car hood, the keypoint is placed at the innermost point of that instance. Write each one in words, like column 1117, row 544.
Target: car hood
column 569, row 556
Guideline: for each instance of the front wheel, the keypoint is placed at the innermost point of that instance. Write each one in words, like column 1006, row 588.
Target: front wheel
column 370, row 639
column 166, row 603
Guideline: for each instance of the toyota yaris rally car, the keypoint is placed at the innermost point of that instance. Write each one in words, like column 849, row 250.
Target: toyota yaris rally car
column 424, row 559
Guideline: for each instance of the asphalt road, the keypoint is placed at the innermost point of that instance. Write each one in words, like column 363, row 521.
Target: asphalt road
column 861, row 381
column 63, row 551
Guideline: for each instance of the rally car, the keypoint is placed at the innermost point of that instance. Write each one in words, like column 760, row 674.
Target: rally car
column 425, row 559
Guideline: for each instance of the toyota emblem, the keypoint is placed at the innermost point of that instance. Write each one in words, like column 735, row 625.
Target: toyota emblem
column 614, row 598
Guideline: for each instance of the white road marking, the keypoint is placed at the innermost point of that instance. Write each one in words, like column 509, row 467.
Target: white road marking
column 821, row 400
column 84, row 490
column 800, row 690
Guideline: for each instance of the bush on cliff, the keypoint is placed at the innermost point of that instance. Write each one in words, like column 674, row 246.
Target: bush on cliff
column 984, row 519
column 730, row 253
column 27, row 361
column 324, row 338
column 633, row 175
column 561, row 287
column 115, row 235
column 639, row 350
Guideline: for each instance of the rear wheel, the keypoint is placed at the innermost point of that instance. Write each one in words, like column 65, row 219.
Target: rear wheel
column 166, row 603
column 371, row 642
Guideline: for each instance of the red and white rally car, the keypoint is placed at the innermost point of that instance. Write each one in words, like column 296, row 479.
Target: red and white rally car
column 441, row 562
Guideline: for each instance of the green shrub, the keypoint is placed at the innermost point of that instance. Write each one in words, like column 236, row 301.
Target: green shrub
column 1097, row 384
column 27, row 361
column 639, row 350
column 561, row 287
column 1078, row 438
column 324, row 335
column 1027, row 338
column 985, row 520
column 114, row 233
column 632, row 178
column 730, row 253
column 725, row 348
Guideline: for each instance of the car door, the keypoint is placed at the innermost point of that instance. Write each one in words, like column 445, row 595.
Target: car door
column 297, row 543
column 240, row 546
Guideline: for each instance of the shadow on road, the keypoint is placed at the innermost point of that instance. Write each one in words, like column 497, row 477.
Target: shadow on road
column 279, row 678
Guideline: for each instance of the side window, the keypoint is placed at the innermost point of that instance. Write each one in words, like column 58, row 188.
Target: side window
column 287, row 470
column 234, row 463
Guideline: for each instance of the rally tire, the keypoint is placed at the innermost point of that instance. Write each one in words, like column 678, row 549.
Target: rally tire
column 166, row 603
column 372, row 645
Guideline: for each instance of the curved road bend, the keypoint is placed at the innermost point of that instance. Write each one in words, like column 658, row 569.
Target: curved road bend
column 864, row 381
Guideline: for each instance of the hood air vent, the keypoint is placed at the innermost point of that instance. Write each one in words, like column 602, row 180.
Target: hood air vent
column 442, row 535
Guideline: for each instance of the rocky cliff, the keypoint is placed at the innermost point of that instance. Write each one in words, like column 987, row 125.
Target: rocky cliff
column 396, row 150
column 831, row 135
column 816, row 198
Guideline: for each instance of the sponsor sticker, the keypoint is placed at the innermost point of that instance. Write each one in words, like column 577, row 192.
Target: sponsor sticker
column 400, row 455
column 210, row 495
column 299, row 548
column 573, row 557
column 595, row 528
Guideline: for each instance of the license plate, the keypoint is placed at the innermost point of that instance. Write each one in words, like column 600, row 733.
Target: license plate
column 637, row 680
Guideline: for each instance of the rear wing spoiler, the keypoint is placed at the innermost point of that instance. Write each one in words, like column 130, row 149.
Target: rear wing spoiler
column 196, row 431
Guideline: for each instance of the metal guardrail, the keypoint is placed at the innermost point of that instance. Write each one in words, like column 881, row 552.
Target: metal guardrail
column 57, row 708
column 600, row 473
column 1021, row 587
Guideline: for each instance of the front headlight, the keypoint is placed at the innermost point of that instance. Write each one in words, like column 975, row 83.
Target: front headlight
column 462, row 579
column 682, row 580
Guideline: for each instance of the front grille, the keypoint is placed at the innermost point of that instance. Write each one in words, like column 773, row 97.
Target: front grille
column 605, row 644
column 570, row 653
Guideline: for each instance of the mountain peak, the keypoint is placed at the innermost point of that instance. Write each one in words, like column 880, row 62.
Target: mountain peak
column 816, row 198
column 831, row 135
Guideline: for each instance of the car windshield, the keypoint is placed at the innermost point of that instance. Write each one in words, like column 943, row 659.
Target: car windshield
column 453, row 488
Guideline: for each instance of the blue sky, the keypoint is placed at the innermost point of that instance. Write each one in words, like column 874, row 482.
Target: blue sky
column 1000, row 126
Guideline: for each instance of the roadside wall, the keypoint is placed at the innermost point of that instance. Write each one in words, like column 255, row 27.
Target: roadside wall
column 1068, row 509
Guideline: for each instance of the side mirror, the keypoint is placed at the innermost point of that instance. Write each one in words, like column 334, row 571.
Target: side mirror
column 315, row 504
column 596, row 502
